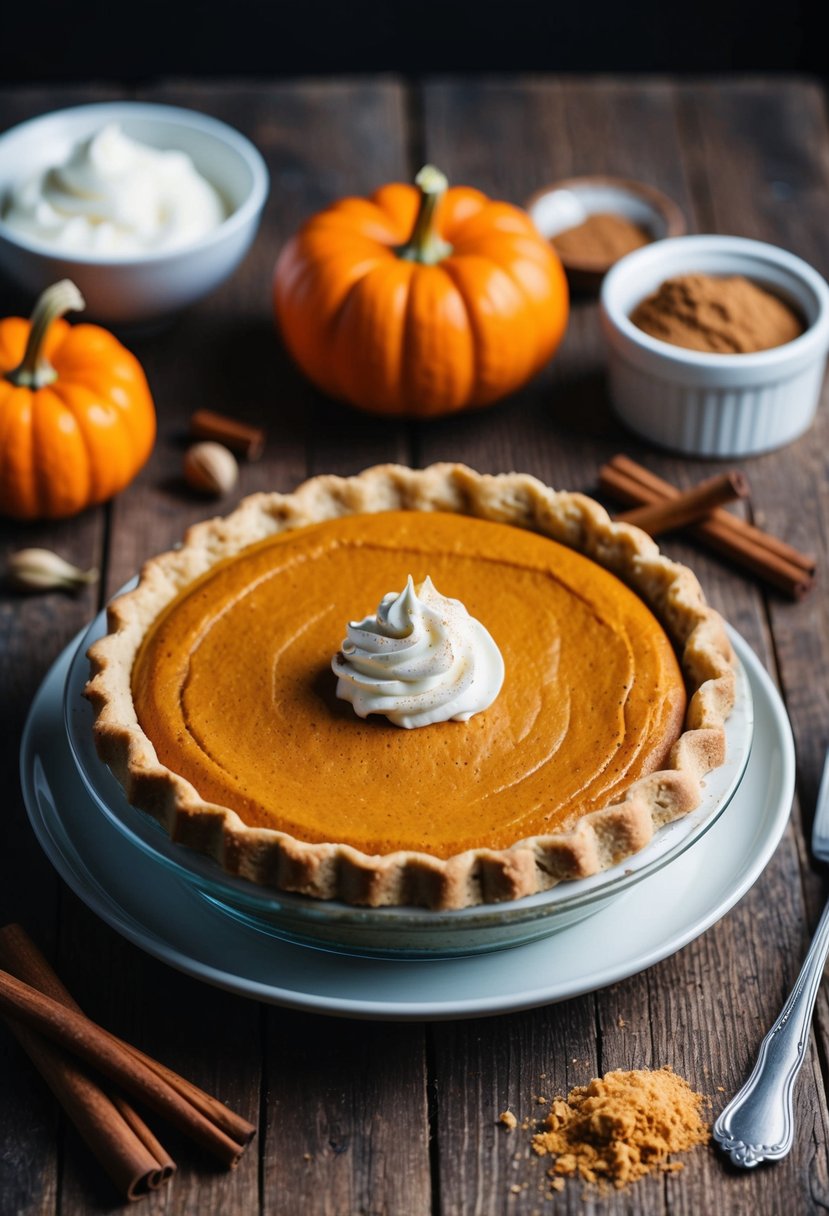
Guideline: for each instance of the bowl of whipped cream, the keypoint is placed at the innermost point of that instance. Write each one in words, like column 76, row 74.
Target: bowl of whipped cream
column 146, row 207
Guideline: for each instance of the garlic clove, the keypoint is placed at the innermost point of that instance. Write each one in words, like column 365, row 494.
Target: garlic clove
column 43, row 570
column 210, row 468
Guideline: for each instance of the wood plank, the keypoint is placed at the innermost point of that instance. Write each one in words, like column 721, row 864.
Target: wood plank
column 717, row 1063
column 319, row 142
column 559, row 427
column 222, row 354
column 347, row 1119
column 33, row 630
column 532, row 132
column 482, row 1068
column 790, row 171
column 771, row 167
column 342, row 1092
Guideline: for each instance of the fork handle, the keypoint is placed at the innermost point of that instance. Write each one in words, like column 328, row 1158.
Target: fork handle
column 758, row 1123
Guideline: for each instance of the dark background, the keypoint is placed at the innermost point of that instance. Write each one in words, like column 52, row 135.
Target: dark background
column 57, row 40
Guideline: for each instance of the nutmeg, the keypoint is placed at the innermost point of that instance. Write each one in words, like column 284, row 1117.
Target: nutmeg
column 210, row 468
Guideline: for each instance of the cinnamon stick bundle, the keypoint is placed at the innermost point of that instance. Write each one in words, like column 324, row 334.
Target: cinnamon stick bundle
column 115, row 1133
column 54, row 1032
column 764, row 555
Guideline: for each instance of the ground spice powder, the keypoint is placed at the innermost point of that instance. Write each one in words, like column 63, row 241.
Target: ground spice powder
column 727, row 316
column 602, row 238
column 622, row 1126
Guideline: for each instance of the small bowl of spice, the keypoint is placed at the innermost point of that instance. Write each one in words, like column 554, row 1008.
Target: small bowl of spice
column 716, row 345
column 592, row 222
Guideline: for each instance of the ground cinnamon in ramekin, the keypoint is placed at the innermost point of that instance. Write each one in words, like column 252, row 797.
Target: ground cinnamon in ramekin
column 601, row 238
column 622, row 1126
column 726, row 316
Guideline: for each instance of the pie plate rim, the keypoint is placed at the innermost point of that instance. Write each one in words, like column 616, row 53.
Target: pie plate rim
column 179, row 928
column 398, row 931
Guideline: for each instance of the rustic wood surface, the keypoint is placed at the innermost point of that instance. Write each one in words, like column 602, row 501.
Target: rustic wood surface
column 401, row 1119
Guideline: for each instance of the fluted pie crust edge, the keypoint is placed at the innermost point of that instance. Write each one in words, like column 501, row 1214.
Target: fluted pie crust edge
column 338, row 871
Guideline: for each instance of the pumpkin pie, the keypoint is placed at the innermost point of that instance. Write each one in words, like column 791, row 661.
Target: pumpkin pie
column 216, row 705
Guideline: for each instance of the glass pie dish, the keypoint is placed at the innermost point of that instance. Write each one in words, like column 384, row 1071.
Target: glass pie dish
column 400, row 932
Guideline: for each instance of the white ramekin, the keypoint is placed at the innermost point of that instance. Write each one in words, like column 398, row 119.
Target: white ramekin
column 709, row 404
column 129, row 288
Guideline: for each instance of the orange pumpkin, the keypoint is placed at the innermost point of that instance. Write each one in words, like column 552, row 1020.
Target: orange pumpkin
column 77, row 420
column 420, row 302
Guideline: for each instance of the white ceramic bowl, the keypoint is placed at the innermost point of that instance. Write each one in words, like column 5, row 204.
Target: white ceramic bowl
column 711, row 404
column 570, row 201
column 144, row 287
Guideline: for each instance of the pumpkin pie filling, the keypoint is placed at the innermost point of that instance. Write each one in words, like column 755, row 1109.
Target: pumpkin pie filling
column 233, row 686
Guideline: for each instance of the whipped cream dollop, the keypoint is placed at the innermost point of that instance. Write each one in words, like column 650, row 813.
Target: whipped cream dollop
column 114, row 195
column 421, row 659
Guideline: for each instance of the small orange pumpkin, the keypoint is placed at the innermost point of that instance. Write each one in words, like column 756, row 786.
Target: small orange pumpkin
column 77, row 420
column 420, row 301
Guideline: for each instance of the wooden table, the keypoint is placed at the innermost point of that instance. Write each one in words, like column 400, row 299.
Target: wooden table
column 358, row 1117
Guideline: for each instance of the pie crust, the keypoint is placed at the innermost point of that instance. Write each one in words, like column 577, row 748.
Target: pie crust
column 276, row 859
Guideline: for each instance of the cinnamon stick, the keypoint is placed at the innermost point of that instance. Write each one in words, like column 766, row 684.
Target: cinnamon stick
column 114, row 1132
column 167, row 1167
column 248, row 441
column 792, row 580
column 90, row 1042
column 20, row 956
column 127, row 1159
column 742, row 543
column 766, row 540
column 227, row 1120
column 688, row 506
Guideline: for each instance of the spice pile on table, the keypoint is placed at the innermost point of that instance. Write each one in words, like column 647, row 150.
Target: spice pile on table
column 622, row 1126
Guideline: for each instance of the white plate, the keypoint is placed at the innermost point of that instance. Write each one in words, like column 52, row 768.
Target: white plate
column 397, row 932
column 168, row 918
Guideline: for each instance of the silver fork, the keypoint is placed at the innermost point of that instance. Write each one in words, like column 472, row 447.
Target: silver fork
column 758, row 1123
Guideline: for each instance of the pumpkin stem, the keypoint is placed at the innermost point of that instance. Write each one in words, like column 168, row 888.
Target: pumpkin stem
column 35, row 370
column 424, row 245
